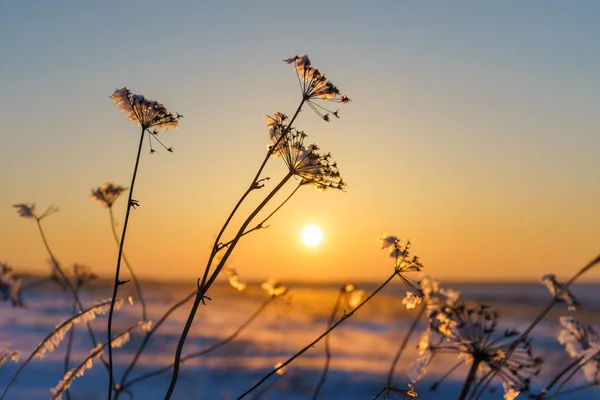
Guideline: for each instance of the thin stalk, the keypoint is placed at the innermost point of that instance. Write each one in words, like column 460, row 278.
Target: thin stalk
column 70, row 337
column 68, row 283
column 204, row 288
column 327, row 349
column 185, row 300
column 470, row 379
column 577, row 389
column 261, row 224
column 134, row 278
column 487, row 378
column 404, row 343
column 562, row 373
column 252, row 187
column 148, row 336
column 78, row 371
column 205, row 351
column 324, row 334
column 573, row 372
column 567, row 379
column 117, row 282
column 447, row 374
column 49, row 337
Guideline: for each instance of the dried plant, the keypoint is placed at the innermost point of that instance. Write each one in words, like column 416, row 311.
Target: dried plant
column 303, row 162
column 148, row 114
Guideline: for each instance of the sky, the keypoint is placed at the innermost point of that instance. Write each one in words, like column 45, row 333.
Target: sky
column 473, row 132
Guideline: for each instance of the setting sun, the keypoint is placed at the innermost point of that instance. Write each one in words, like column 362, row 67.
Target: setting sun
column 312, row 235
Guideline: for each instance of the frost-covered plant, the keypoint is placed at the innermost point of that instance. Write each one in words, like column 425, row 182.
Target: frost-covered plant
column 305, row 162
column 151, row 116
column 55, row 338
column 472, row 333
column 7, row 354
column 582, row 343
column 126, row 385
column 560, row 292
column 402, row 263
column 58, row 274
column 118, row 341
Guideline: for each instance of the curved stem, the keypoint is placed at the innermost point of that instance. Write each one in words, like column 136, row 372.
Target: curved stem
column 404, row 343
column 68, row 284
column 561, row 374
column 181, row 303
column 470, row 379
column 134, row 278
column 252, row 187
column 261, row 223
column 205, row 351
column 202, row 290
column 117, row 282
column 568, row 378
column 148, row 336
column 306, row 348
column 71, row 335
column 327, row 349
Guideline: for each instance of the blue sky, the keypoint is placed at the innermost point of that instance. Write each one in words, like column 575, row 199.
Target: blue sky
column 473, row 129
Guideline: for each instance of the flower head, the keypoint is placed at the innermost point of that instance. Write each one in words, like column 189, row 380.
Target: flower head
column 315, row 86
column 472, row 333
column 107, row 194
column 146, row 113
column 560, row 291
column 28, row 211
column 273, row 287
column 581, row 341
column 403, row 263
column 306, row 161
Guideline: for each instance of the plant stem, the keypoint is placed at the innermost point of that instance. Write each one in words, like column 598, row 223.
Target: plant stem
column 136, row 282
column 562, row 373
column 117, row 282
column 181, row 303
column 306, row 348
column 69, row 285
column 149, row 335
column 573, row 372
column 327, row 349
column 205, row 351
column 404, row 343
column 70, row 337
column 202, row 290
column 252, row 187
column 470, row 379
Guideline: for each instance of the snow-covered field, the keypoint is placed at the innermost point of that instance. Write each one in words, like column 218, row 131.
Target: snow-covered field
column 362, row 347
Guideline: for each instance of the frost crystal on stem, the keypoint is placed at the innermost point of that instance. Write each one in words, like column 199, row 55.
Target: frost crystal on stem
column 560, row 292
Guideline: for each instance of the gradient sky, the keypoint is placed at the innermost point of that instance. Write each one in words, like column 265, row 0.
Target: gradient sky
column 473, row 131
